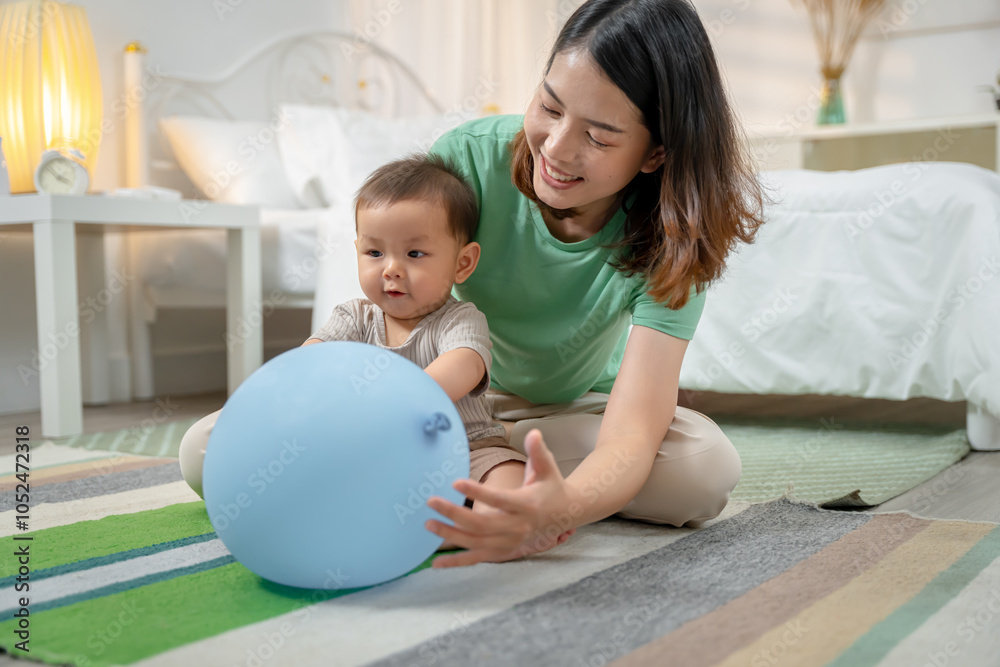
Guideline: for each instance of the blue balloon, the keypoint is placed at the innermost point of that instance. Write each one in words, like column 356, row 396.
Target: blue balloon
column 319, row 467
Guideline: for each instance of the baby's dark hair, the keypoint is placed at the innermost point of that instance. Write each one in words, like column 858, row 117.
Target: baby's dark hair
column 424, row 178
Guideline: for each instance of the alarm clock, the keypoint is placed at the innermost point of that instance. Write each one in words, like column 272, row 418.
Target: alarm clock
column 62, row 171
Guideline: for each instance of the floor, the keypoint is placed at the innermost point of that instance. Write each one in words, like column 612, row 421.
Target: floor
column 968, row 490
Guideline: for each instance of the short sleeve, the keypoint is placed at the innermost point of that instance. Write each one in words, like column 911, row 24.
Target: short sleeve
column 679, row 323
column 465, row 326
column 343, row 324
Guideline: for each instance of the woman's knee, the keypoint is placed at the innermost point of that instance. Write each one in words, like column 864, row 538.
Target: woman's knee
column 692, row 476
column 192, row 450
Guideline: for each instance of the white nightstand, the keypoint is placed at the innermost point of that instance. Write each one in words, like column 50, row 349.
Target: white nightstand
column 54, row 220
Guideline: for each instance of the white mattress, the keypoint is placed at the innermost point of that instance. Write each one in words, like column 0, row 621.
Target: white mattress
column 195, row 260
column 879, row 283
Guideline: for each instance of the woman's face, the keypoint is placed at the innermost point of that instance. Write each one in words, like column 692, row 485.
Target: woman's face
column 586, row 137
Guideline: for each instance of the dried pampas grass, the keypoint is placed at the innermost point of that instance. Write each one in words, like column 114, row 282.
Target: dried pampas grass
column 836, row 25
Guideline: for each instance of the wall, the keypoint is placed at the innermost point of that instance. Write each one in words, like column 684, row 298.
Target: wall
column 920, row 59
column 475, row 55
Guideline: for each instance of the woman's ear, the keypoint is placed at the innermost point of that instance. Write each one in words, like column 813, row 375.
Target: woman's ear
column 655, row 160
column 468, row 259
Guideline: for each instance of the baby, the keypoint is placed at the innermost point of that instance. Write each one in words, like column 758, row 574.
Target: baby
column 415, row 219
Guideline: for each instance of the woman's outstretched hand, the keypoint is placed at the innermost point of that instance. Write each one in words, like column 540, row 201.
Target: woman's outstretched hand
column 527, row 520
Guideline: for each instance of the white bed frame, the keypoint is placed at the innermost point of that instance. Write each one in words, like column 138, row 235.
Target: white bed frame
column 317, row 67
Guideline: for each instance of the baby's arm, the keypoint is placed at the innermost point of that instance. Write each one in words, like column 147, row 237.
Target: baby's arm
column 458, row 371
column 341, row 325
column 463, row 365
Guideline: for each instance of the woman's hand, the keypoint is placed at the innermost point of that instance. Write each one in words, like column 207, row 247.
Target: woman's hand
column 527, row 520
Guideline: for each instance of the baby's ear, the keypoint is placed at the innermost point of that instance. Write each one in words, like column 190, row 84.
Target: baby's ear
column 468, row 259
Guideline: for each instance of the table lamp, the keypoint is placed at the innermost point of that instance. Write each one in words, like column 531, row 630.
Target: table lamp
column 50, row 86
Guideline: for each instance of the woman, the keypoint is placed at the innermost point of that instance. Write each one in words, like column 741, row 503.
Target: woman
column 615, row 200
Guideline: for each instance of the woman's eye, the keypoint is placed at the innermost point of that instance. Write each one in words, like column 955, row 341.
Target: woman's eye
column 596, row 142
column 551, row 112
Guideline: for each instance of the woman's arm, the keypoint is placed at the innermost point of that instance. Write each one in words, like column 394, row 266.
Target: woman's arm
column 642, row 405
column 530, row 519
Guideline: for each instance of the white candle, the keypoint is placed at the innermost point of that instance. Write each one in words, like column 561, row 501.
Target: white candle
column 136, row 141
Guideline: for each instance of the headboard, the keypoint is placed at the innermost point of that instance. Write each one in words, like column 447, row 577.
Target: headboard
column 319, row 68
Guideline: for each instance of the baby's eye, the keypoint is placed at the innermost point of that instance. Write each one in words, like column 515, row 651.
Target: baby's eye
column 416, row 253
column 374, row 253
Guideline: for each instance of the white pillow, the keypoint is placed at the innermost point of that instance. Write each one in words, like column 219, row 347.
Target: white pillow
column 328, row 153
column 235, row 162
column 337, row 271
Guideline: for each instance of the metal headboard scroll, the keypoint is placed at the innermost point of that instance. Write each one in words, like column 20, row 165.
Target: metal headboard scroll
column 318, row 68
column 313, row 67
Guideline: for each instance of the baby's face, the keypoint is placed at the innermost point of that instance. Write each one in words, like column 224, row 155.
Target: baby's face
column 407, row 258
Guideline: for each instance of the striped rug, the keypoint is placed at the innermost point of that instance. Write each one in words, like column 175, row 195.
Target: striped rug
column 124, row 569
column 147, row 439
column 826, row 462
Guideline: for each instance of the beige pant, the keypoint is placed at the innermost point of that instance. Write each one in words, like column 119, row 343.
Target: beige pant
column 692, row 475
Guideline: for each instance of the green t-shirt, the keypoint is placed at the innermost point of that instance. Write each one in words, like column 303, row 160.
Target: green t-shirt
column 558, row 312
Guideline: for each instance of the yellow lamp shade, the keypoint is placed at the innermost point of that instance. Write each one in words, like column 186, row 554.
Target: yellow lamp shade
column 50, row 85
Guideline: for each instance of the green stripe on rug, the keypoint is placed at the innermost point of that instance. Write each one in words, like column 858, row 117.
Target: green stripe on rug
column 136, row 624
column 870, row 648
column 122, row 532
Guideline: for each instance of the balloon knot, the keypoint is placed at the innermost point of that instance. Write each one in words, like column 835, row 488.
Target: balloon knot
column 438, row 422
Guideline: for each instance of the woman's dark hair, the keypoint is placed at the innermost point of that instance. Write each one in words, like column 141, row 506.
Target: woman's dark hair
column 688, row 214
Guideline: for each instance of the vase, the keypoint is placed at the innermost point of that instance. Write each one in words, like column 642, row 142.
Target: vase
column 831, row 109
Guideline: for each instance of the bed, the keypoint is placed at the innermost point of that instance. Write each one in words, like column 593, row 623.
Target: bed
column 875, row 283
column 332, row 109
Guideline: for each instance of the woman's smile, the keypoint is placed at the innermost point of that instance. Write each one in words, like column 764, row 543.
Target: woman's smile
column 556, row 178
